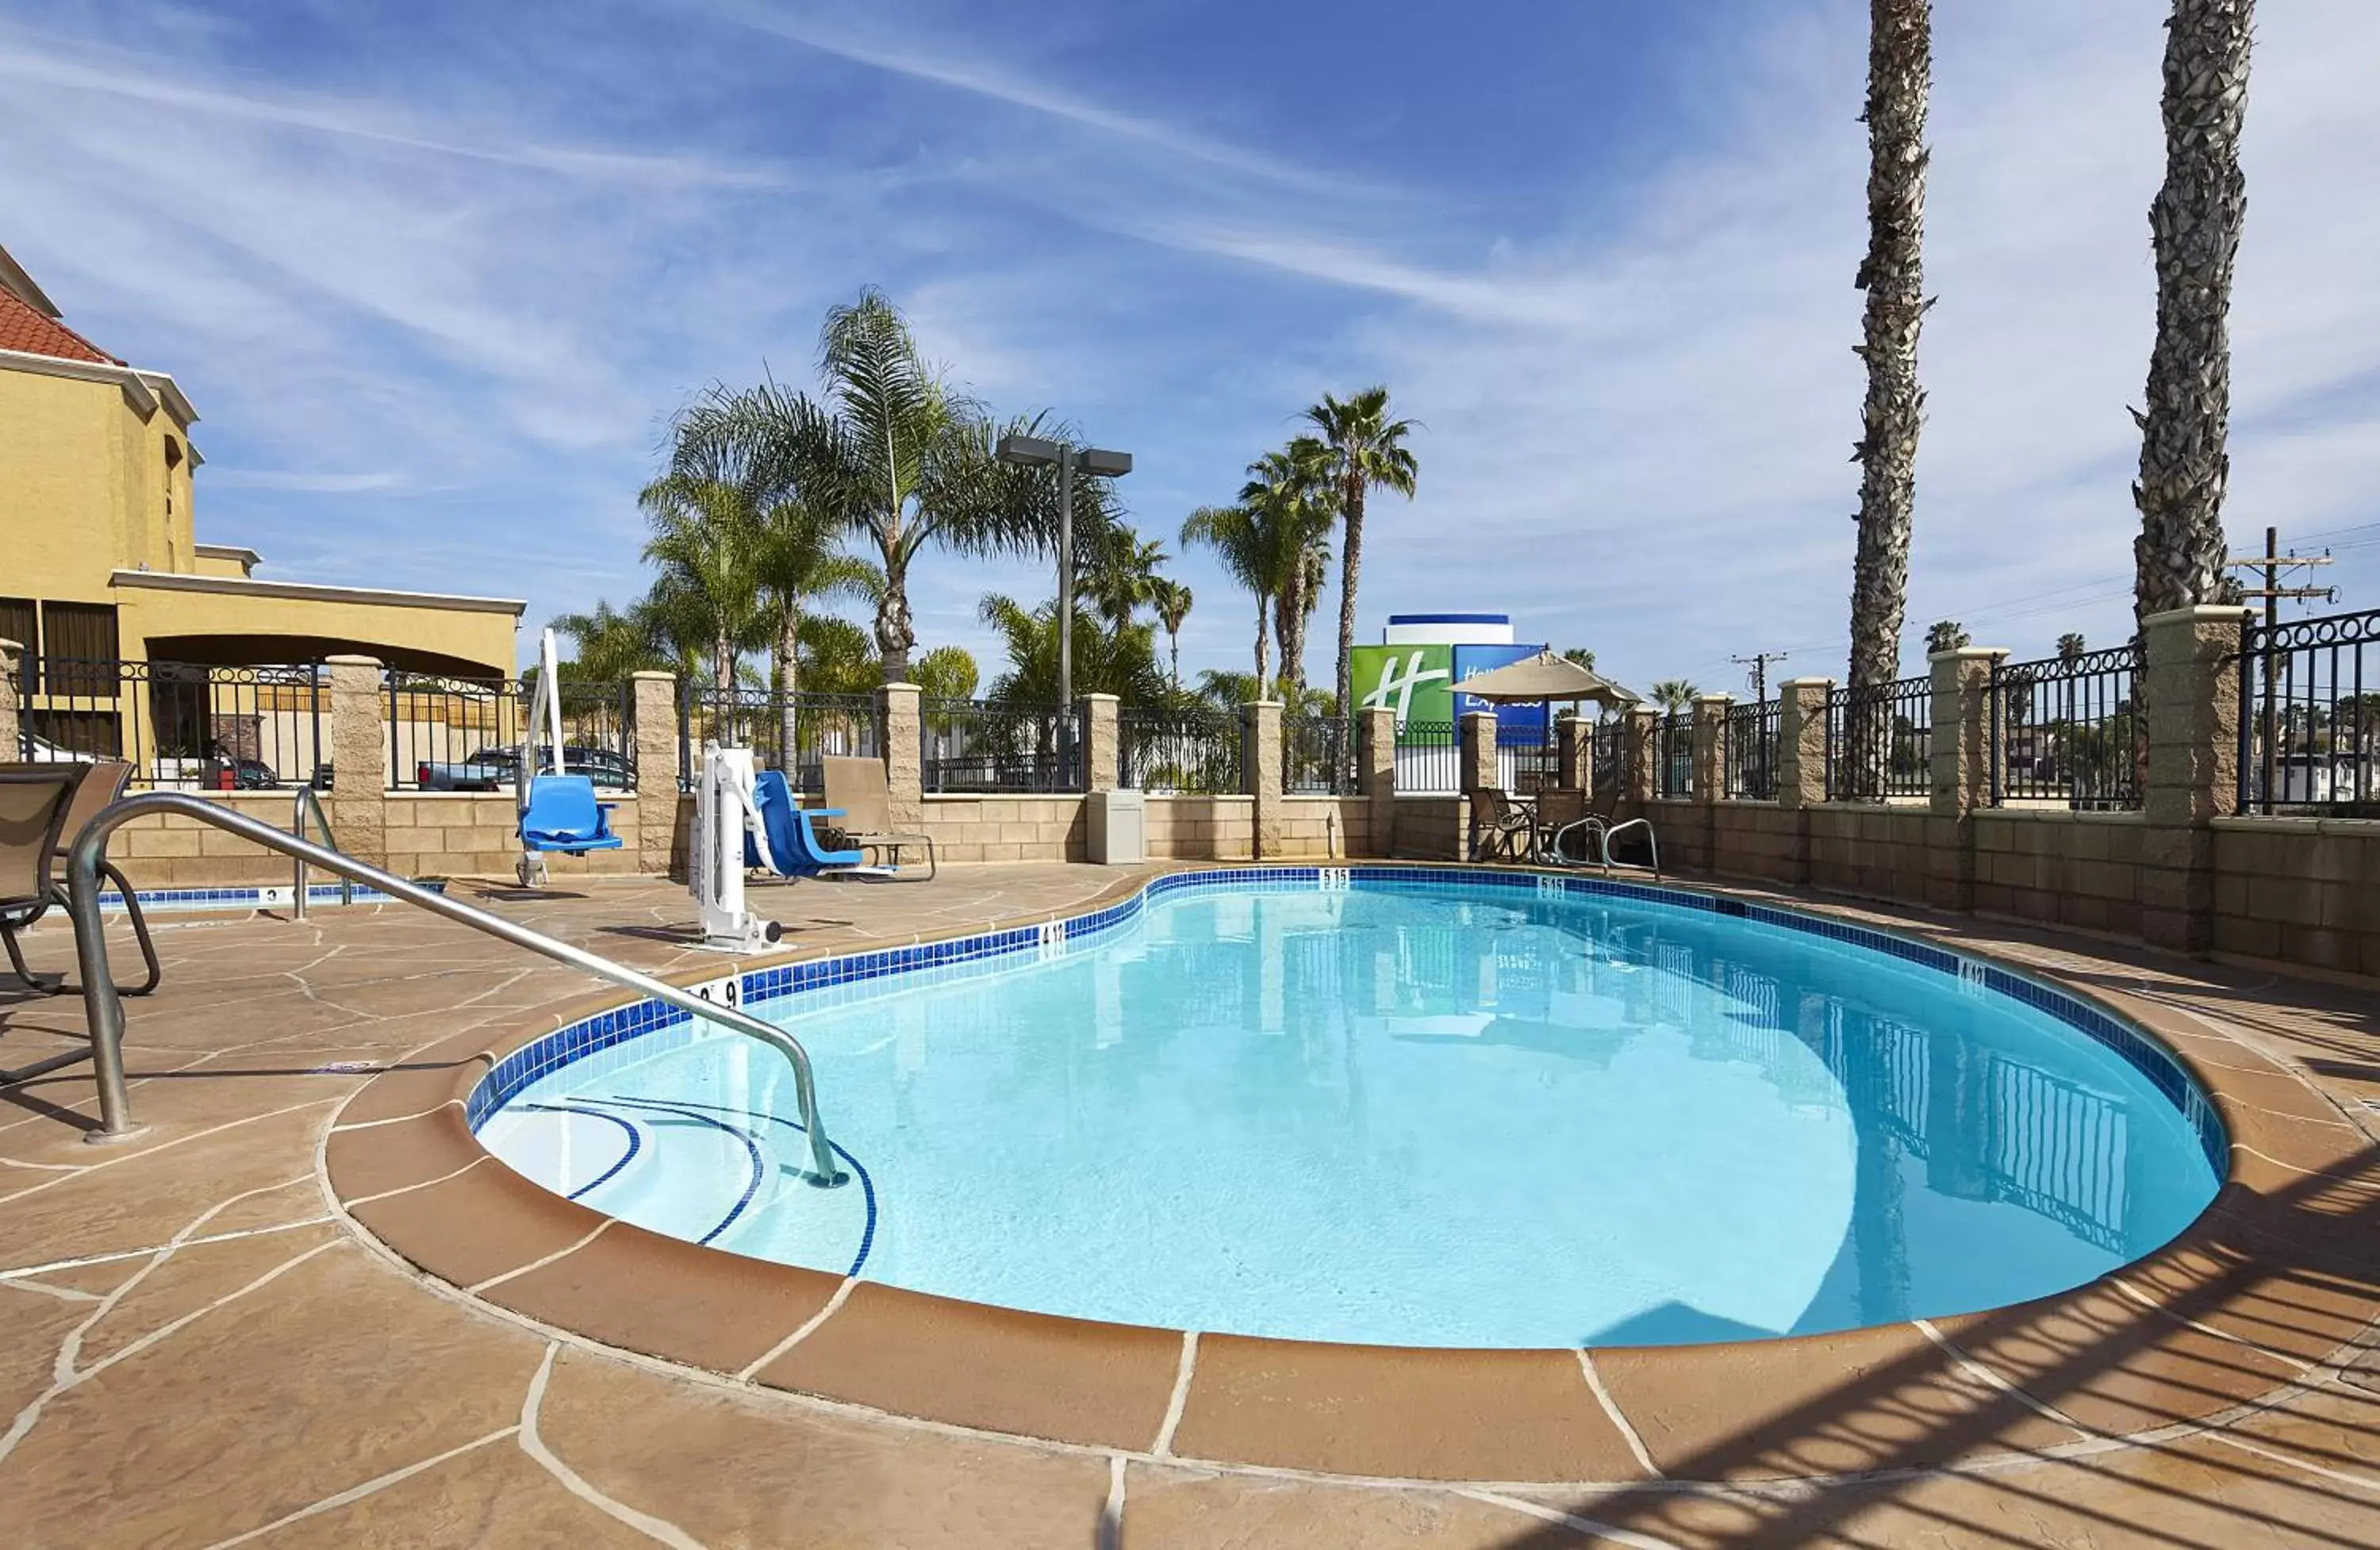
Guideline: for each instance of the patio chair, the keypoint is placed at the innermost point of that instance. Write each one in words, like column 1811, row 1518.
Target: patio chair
column 90, row 788
column 794, row 848
column 858, row 787
column 1501, row 829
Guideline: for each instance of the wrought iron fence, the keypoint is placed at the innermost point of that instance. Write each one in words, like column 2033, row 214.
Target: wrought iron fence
column 1528, row 757
column 1880, row 741
column 1313, row 756
column 465, row 735
column 1428, row 757
column 978, row 746
column 1748, row 760
column 1673, row 755
column 1191, row 750
column 1607, row 754
column 2066, row 730
column 2310, row 716
column 813, row 727
column 186, row 726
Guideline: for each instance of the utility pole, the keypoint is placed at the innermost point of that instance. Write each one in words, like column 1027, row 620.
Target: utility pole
column 2272, row 563
column 1758, row 663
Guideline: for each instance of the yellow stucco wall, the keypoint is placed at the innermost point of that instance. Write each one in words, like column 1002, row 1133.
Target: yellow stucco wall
column 86, row 492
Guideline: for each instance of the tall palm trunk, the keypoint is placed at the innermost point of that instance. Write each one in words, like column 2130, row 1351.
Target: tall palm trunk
column 1174, row 649
column 1351, row 565
column 893, row 634
column 2195, row 224
column 1262, row 663
column 784, row 673
column 1900, row 72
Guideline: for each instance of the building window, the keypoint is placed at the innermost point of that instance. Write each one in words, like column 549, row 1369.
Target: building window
column 78, row 648
column 18, row 622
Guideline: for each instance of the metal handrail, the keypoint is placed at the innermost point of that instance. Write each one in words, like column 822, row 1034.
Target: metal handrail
column 308, row 802
column 105, row 1010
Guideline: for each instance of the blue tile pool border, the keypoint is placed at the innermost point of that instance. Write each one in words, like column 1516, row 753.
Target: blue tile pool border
column 648, row 1019
column 234, row 898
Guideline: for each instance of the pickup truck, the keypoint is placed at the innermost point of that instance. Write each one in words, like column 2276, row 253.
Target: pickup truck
column 491, row 769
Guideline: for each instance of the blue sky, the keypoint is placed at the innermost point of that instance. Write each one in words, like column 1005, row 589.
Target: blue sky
column 436, row 274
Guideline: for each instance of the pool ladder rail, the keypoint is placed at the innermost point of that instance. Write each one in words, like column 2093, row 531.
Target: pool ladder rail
column 103, row 1007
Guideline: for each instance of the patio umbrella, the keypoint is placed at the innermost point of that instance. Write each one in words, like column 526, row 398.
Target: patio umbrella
column 1542, row 678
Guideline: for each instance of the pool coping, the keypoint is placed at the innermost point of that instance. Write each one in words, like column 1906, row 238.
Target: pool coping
column 405, row 1167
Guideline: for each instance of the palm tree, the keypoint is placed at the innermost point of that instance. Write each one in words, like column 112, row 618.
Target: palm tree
column 1674, row 695
column 1899, row 74
column 946, row 672
column 1946, row 635
column 608, row 644
column 801, row 560
column 1249, row 550
column 1291, row 492
column 897, row 456
column 2196, row 226
column 1363, row 447
column 706, row 538
column 2070, row 647
column 1171, row 600
column 1122, row 662
column 1123, row 576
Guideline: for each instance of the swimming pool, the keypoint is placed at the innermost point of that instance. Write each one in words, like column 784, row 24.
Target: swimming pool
column 1402, row 1105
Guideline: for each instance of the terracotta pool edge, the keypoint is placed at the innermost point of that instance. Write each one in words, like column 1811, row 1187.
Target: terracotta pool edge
column 1116, row 1368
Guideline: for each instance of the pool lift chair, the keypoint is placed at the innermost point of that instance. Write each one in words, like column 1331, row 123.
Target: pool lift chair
column 558, row 810
column 728, row 836
column 795, row 849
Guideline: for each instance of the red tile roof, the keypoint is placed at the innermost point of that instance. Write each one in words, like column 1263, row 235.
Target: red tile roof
column 23, row 327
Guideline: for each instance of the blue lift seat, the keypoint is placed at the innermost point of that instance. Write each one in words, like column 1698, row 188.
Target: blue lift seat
column 564, row 815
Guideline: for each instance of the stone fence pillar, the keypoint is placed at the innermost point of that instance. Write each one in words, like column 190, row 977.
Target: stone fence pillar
column 1100, row 735
column 1475, row 763
column 1573, row 753
column 1802, row 741
column 1962, row 770
column 658, row 772
column 1637, row 738
column 904, row 774
column 11, row 654
column 2191, row 694
column 1260, row 774
column 1710, row 747
column 1376, row 770
column 359, row 755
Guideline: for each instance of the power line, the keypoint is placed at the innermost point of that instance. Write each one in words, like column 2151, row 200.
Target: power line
column 1758, row 662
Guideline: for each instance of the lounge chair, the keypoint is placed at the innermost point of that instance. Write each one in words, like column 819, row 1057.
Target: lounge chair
column 1501, row 828
column 794, row 850
column 564, row 815
column 858, row 787
column 25, row 897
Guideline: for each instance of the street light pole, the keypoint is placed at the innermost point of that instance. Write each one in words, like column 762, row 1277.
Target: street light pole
column 1065, row 579
column 1034, row 452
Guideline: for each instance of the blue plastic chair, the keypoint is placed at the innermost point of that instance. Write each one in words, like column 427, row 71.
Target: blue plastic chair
column 564, row 815
column 793, row 845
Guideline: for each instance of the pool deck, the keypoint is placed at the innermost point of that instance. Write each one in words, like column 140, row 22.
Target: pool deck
column 212, row 1340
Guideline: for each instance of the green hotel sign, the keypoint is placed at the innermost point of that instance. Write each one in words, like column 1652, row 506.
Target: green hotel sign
column 1412, row 681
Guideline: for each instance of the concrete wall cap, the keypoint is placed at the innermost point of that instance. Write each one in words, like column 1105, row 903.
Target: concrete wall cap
column 647, row 675
column 351, row 660
column 1807, row 684
column 1968, row 654
column 1115, row 698
column 1714, row 700
column 2201, row 613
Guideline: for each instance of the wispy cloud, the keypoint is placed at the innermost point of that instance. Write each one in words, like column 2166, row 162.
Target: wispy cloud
column 305, row 482
column 979, row 76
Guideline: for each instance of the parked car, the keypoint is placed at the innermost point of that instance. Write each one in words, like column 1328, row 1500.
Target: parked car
column 492, row 769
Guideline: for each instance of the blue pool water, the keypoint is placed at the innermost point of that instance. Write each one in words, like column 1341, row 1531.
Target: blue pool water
column 1442, row 1115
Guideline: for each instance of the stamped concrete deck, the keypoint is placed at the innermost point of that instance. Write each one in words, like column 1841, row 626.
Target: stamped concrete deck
column 202, row 1349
